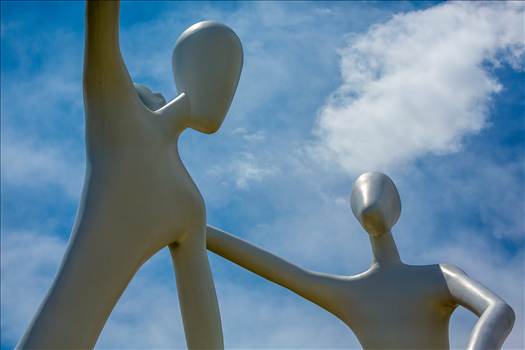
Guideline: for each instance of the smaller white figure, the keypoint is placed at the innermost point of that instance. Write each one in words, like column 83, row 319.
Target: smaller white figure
column 391, row 305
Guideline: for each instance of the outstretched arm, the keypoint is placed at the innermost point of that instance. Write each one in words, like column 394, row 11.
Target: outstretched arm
column 105, row 73
column 321, row 289
column 496, row 317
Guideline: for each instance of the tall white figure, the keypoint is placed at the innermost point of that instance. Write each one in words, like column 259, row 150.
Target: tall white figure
column 138, row 196
column 391, row 305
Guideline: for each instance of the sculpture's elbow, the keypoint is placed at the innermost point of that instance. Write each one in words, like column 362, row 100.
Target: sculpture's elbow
column 506, row 315
column 509, row 315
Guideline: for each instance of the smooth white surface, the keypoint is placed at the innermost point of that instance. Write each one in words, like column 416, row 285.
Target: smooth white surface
column 138, row 197
column 392, row 305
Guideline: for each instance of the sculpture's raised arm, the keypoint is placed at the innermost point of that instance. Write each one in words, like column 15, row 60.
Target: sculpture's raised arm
column 496, row 317
column 105, row 73
column 320, row 289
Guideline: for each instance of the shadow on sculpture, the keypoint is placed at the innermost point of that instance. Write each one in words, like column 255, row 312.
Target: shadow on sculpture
column 137, row 196
column 392, row 305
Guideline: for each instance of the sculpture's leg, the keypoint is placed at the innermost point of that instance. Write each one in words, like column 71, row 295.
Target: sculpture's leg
column 197, row 298
column 94, row 273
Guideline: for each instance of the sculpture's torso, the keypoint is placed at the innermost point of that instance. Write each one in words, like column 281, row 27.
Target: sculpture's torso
column 182, row 201
column 399, row 307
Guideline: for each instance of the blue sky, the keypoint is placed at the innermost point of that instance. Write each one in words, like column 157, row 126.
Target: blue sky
column 431, row 94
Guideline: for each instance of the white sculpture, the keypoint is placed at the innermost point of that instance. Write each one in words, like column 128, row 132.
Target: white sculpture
column 137, row 196
column 391, row 305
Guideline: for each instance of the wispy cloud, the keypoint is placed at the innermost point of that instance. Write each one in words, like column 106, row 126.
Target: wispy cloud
column 243, row 171
column 32, row 164
column 419, row 83
column 42, row 110
column 29, row 262
column 257, row 136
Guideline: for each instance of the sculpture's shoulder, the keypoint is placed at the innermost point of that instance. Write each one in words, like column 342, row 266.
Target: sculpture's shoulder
column 427, row 274
column 424, row 273
column 412, row 274
column 453, row 276
column 451, row 271
column 422, row 282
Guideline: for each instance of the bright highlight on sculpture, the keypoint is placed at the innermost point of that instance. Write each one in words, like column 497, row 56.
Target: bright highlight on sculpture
column 138, row 198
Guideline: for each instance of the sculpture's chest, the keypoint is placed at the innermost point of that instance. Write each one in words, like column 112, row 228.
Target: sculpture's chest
column 399, row 303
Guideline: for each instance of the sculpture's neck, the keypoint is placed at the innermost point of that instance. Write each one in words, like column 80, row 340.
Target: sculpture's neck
column 180, row 113
column 384, row 250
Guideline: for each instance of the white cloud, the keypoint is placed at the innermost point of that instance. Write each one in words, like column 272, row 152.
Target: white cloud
column 29, row 262
column 418, row 83
column 269, row 317
column 42, row 124
column 35, row 164
column 147, row 315
column 243, row 171
column 256, row 136
column 247, row 170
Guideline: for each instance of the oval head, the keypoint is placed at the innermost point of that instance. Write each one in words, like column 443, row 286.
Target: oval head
column 375, row 202
column 207, row 63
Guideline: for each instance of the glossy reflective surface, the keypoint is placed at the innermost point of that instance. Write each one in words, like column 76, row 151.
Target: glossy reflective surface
column 392, row 305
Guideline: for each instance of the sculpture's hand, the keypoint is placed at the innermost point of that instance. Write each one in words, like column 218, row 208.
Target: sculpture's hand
column 496, row 317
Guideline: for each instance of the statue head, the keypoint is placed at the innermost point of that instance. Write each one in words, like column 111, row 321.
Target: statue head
column 207, row 63
column 375, row 202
